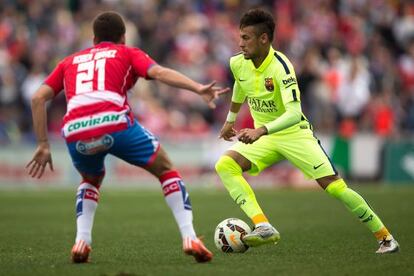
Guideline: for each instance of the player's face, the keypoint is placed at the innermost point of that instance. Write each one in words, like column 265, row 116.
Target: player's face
column 249, row 42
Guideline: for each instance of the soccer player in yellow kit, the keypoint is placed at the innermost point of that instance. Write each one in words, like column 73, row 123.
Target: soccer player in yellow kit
column 266, row 79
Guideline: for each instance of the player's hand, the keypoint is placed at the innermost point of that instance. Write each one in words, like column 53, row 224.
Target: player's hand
column 227, row 131
column 41, row 157
column 250, row 135
column 210, row 92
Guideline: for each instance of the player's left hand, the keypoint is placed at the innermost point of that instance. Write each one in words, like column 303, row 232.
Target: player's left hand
column 250, row 135
column 41, row 158
column 210, row 92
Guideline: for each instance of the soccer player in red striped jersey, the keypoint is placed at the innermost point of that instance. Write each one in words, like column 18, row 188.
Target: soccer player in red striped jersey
column 99, row 121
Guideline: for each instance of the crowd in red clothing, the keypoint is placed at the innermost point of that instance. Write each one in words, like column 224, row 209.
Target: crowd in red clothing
column 354, row 60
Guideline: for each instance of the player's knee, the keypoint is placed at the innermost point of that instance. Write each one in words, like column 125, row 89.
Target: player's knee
column 226, row 165
column 94, row 180
column 336, row 188
column 220, row 165
column 160, row 168
column 161, row 165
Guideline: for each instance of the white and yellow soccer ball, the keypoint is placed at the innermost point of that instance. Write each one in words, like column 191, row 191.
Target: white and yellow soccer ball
column 229, row 234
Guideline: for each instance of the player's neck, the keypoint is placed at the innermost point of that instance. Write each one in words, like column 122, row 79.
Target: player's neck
column 257, row 61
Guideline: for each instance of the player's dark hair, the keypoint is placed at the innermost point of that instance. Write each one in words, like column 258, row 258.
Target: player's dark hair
column 108, row 26
column 262, row 21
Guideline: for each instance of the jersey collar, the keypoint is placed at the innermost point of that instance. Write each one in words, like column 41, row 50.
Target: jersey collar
column 266, row 61
column 105, row 43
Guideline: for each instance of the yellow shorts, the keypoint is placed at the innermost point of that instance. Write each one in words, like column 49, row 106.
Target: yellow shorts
column 298, row 145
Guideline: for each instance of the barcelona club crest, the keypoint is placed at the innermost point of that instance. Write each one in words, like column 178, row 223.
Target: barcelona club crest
column 269, row 84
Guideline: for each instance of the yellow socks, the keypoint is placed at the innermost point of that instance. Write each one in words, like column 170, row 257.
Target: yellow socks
column 241, row 192
column 359, row 207
column 231, row 175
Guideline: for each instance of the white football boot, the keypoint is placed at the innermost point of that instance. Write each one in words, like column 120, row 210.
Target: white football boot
column 263, row 234
column 388, row 246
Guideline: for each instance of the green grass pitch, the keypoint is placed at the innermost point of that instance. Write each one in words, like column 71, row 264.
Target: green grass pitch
column 135, row 234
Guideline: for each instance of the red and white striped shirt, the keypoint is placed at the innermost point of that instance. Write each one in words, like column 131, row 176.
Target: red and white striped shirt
column 96, row 81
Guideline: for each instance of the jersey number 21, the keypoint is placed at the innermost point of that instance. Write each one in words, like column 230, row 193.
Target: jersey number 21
column 86, row 74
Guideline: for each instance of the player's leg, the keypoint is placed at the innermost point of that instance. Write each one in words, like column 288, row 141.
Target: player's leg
column 306, row 153
column 230, row 168
column 139, row 147
column 358, row 206
column 175, row 193
column 86, row 204
column 178, row 200
column 91, row 168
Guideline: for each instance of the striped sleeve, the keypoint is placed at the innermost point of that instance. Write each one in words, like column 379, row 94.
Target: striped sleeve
column 286, row 79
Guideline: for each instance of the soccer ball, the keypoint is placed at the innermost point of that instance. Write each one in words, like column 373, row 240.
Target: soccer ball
column 228, row 235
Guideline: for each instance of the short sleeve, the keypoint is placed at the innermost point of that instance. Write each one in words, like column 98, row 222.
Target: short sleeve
column 286, row 80
column 239, row 96
column 141, row 62
column 55, row 79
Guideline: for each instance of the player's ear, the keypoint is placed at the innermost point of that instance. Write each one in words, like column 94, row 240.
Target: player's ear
column 264, row 38
column 95, row 40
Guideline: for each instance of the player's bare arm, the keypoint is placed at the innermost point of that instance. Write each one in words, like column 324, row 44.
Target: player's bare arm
column 42, row 155
column 209, row 92
column 228, row 131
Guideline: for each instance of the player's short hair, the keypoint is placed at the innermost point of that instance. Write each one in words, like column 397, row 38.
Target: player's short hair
column 108, row 26
column 262, row 20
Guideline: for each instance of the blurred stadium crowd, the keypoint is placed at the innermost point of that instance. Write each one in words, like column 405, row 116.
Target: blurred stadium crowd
column 354, row 60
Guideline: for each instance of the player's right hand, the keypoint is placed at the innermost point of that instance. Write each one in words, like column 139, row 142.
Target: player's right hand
column 41, row 157
column 228, row 131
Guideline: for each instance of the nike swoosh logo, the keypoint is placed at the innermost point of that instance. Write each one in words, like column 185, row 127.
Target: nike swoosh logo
column 237, row 198
column 363, row 214
column 315, row 167
column 241, row 80
column 243, row 201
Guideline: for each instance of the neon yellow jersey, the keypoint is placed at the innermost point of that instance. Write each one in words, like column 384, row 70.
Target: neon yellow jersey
column 267, row 88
